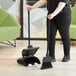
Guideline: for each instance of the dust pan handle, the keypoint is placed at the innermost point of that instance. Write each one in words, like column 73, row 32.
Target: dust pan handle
column 28, row 28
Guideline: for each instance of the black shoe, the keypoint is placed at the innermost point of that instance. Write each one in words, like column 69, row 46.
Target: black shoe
column 53, row 59
column 66, row 59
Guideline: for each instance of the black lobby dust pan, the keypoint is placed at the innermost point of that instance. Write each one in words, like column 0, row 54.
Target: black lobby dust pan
column 28, row 53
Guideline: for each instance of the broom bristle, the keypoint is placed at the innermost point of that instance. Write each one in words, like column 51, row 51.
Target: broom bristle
column 46, row 65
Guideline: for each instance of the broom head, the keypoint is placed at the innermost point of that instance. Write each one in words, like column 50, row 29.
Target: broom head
column 46, row 63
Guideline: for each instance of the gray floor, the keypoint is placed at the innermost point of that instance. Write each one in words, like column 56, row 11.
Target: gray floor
column 9, row 66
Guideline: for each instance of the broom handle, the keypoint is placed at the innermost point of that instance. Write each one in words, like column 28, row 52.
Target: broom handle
column 48, row 32
column 28, row 28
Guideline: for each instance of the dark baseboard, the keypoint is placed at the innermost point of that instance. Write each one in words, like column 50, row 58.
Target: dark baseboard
column 41, row 39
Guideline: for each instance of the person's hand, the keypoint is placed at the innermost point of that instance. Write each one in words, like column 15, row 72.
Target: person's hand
column 50, row 16
column 29, row 8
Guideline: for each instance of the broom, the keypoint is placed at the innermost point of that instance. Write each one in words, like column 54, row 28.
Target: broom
column 47, row 59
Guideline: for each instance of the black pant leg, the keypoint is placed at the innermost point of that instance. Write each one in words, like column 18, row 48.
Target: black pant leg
column 63, row 23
